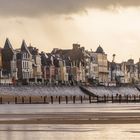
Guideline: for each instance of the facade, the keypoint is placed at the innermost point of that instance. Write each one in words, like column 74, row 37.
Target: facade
column 131, row 71
column 75, row 65
column 1, row 58
column 94, row 68
column 70, row 66
column 8, row 64
column 116, row 75
column 102, row 65
column 36, row 65
column 7, row 57
column 24, row 63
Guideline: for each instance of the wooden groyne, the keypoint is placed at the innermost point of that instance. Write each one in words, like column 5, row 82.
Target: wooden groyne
column 8, row 99
column 69, row 99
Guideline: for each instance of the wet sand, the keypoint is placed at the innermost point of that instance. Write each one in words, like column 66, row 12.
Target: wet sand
column 72, row 118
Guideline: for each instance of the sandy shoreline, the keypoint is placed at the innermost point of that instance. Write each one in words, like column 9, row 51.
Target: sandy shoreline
column 71, row 118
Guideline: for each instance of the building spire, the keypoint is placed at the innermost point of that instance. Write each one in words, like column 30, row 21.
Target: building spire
column 24, row 47
column 8, row 44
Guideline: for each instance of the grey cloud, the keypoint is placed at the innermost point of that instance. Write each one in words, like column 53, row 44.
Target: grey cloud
column 39, row 7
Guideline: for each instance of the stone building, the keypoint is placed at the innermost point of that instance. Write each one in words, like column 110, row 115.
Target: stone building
column 94, row 74
column 9, row 62
column 36, row 65
column 131, row 71
column 49, row 69
column 24, row 64
column 102, row 65
column 74, row 63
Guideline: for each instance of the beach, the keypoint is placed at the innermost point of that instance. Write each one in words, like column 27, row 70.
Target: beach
column 71, row 114
column 105, row 121
column 71, row 118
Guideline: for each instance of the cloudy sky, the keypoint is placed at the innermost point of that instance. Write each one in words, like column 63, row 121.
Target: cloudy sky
column 48, row 24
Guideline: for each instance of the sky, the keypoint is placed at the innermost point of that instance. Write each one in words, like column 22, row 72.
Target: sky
column 48, row 24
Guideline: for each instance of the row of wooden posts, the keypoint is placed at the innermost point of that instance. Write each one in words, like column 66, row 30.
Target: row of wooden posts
column 42, row 99
column 69, row 99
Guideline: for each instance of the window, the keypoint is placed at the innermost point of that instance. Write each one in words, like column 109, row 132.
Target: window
column 27, row 65
column 23, row 64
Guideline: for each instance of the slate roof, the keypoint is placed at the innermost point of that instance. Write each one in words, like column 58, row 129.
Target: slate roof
column 24, row 48
column 100, row 50
column 8, row 45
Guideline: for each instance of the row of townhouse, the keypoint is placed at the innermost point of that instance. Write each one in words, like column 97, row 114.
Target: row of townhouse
column 125, row 72
column 20, row 65
column 27, row 65
column 71, row 66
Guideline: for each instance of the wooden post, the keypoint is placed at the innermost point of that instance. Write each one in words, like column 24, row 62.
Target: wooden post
column 90, row 99
column 15, row 100
column 120, row 98
column 59, row 99
column 105, row 98
column 112, row 99
column 30, row 99
column 97, row 98
column 51, row 99
column 134, row 98
column 45, row 99
column 0, row 100
column 66, row 99
column 22, row 100
column 116, row 97
column 127, row 98
column 81, row 99
column 74, row 99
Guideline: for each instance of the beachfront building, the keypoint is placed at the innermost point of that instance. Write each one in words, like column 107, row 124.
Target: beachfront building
column 138, row 66
column 44, row 66
column 70, row 66
column 116, row 75
column 94, row 69
column 14, row 69
column 102, row 65
column 136, row 74
column 132, row 71
column 24, row 64
column 50, row 68
column 0, row 58
column 36, row 59
column 72, row 63
column 9, row 64
column 87, row 64
column 0, row 63
column 124, row 70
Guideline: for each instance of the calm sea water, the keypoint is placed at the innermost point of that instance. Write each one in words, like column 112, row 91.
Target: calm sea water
column 70, row 132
